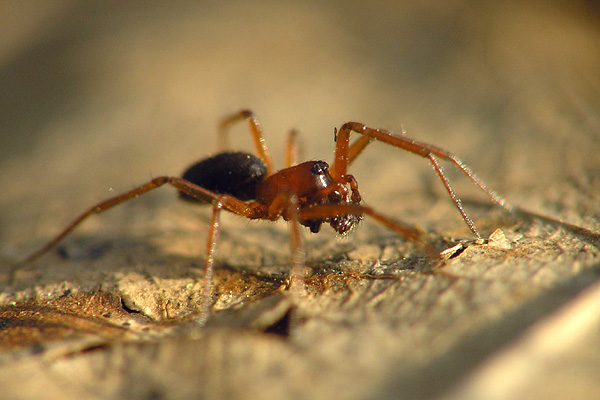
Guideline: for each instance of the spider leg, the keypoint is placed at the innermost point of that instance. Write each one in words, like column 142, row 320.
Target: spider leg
column 211, row 248
column 357, row 147
column 285, row 205
column 292, row 150
column 401, row 228
column 297, row 250
column 228, row 202
column 344, row 155
column 259, row 142
column 453, row 196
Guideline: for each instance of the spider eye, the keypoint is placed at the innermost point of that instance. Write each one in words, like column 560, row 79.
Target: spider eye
column 319, row 168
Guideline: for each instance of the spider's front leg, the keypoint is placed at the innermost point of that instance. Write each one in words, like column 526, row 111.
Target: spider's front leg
column 345, row 154
column 333, row 210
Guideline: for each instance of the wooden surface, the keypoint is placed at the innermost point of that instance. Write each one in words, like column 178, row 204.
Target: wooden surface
column 99, row 98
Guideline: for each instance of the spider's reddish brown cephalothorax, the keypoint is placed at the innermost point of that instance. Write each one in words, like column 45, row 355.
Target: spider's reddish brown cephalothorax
column 311, row 193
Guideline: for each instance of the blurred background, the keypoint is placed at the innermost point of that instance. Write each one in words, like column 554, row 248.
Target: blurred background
column 99, row 96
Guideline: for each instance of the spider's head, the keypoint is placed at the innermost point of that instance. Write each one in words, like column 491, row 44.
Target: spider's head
column 340, row 194
column 314, row 187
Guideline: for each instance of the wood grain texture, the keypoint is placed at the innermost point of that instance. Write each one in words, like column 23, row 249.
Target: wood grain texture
column 99, row 98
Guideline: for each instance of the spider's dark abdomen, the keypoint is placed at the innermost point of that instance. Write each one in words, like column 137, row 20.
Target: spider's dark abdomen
column 233, row 173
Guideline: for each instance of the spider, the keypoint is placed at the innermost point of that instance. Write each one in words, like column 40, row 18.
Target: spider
column 310, row 193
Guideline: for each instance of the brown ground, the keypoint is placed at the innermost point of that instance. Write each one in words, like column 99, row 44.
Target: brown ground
column 99, row 98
